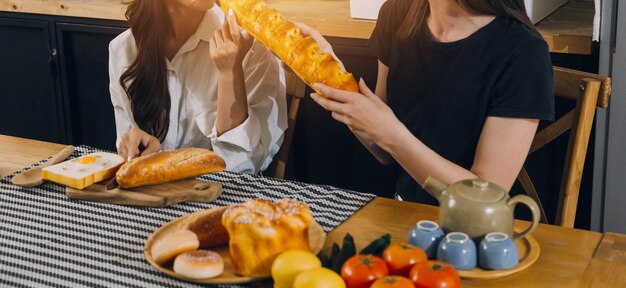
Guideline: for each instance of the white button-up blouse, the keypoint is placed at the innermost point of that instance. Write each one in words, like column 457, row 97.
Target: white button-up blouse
column 192, row 83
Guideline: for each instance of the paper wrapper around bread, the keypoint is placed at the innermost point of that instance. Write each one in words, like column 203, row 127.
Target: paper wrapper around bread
column 302, row 54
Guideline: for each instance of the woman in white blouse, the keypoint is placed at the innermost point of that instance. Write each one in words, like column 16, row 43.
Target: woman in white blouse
column 181, row 78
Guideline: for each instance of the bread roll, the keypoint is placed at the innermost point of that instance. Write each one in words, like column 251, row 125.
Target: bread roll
column 260, row 230
column 283, row 38
column 209, row 228
column 165, row 249
column 199, row 264
column 168, row 166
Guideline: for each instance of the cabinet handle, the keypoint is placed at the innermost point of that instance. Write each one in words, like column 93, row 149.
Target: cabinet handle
column 52, row 62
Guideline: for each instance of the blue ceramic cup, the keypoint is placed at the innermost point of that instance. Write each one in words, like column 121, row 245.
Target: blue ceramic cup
column 458, row 250
column 426, row 235
column 497, row 251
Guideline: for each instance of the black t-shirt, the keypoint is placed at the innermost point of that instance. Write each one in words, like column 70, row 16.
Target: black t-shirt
column 443, row 92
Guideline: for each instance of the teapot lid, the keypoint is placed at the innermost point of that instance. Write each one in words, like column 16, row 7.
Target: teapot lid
column 480, row 190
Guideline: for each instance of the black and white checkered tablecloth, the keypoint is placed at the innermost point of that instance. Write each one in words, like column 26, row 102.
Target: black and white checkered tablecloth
column 47, row 239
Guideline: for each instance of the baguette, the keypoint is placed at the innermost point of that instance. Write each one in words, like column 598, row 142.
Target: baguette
column 302, row 54
column 168, row 166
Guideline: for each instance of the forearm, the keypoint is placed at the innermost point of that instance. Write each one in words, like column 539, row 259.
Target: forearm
column 420, row 161
column 381, row 155
column 232, row 102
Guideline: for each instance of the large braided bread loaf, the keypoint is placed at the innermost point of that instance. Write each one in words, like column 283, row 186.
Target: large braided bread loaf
column 302, row 54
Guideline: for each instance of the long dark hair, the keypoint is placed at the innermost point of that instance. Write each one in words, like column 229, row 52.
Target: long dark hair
column 148, row 91
column 418, row 11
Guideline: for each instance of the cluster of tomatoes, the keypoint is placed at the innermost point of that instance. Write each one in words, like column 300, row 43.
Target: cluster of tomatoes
column 401, row 266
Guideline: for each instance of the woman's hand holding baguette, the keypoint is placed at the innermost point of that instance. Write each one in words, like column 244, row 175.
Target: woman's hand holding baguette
column 321, row 41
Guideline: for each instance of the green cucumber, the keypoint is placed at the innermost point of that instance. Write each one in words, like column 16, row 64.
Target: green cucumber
column 377, row 246
column 325, row 259
column 348, row 250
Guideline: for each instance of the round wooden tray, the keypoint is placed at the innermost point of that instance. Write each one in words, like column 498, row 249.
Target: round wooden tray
column 317, row 237
column 528, row 250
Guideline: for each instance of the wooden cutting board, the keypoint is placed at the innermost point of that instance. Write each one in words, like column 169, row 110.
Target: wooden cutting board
column 186, row 190
column 4, row 172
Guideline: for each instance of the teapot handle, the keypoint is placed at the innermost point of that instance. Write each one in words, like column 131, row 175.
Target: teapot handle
column 534, row 209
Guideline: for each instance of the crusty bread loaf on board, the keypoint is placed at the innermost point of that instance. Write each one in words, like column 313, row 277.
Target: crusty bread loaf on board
column 168, row 166
column 302, row 54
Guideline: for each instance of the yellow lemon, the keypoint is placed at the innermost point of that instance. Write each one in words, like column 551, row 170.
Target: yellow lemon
column 289, row 264
column 319, row 278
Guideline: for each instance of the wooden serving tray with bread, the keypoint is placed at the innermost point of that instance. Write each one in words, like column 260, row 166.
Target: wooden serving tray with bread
column 155, row 180
column 255, row 236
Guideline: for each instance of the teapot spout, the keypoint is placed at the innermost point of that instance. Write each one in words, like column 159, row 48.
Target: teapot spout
column 434, row 186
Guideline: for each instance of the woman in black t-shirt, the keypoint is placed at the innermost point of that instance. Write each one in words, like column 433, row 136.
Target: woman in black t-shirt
column 462, row 85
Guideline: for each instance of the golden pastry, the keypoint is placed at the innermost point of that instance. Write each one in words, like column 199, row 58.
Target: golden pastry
column 260, row 230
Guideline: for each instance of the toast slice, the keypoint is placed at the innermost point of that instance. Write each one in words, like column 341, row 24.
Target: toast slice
column 84, row 171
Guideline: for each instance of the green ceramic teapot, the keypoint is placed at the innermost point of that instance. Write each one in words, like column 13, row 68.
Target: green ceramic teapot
column 477, row 207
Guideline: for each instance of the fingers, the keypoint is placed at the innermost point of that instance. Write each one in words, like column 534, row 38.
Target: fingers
column 132, row 145
column 365, row 90
column 341, row 118
column 152, row 145
column 321, row 41
column 334, row 94
column 247, row 37
column 226, row 29
column 306, row 30
column 329, row 104
column 133, row 140
column 122, row 149
column 233, row 28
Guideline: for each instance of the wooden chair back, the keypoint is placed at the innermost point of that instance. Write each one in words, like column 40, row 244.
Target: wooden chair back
column 295, row 92
column 589, row 91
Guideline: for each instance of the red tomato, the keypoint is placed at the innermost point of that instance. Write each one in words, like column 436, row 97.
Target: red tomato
column 393, row 282
column 360, row 271
column 434, row 274
column 401, row 257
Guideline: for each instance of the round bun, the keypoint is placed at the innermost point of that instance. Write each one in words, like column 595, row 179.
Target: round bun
column 199, row 264
column 168, row 247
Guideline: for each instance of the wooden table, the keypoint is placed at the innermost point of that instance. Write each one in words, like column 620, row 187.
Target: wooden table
column 569, row 257
column 568, row 30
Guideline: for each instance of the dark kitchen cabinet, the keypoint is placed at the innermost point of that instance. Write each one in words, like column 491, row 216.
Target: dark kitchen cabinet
column 30, row 104
column 84, row 65
column 54, row 78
